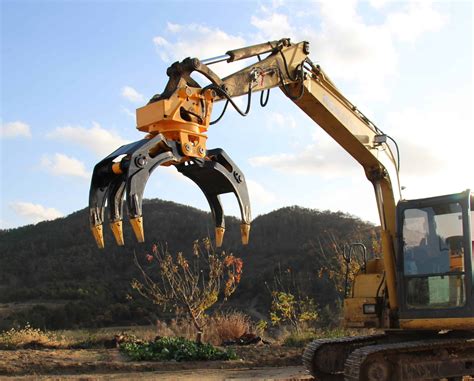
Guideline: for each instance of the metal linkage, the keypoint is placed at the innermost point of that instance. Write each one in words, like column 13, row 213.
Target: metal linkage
column 176, row 122
column 126, row 172
column 217, row 175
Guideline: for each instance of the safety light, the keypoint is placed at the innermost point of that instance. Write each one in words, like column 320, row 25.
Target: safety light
column 369, row 308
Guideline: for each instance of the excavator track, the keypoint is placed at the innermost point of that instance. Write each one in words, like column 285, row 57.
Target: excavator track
column 430, row 359
column 325, row 358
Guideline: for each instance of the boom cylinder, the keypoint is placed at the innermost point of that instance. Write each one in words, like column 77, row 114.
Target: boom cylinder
column 252, row 51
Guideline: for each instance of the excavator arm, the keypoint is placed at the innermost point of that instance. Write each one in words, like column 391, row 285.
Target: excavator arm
column 176, row 122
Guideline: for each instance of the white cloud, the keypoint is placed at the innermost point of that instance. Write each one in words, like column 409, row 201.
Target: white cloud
column 127, row 112
column 342, row 36
column 418, row 18
column 161, row 41
column 435, row 146
column 62, row 165
column 35, row 212
column 378, row 4
column 322, row 157
column 14, row 129
column 350, row 47
column 353, row 50
column 132, row 95
column 278, row 120
column 163, row 46
column 258, row 194
column 173, row 173
column 175, row 28
column 273, row 27
column 96, row 139
column 196, row 40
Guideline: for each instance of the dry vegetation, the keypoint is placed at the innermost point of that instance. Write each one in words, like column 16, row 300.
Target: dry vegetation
column 32, row 351
column 220, row 328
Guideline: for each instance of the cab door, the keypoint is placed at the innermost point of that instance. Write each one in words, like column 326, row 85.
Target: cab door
column 434, row 262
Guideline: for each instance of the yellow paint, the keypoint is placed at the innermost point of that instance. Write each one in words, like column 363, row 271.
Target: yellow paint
column 389, row 265
column 375, row 266
column 164, row 116
column 219, row 236
column 137, row 226
column 98, row 234
column 366, row 285
column 354, row 316
column 117, row 231
column 438, row 323
column 245, row 233
column 456, row 262
column 116, row 169
column 327, row 107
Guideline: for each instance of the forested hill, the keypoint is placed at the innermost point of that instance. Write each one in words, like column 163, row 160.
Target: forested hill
column 52, row 274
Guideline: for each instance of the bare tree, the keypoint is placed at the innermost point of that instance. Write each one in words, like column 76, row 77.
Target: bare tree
column 191, row 285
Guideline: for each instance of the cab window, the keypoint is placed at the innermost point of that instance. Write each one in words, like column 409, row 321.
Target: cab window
column 433, row 257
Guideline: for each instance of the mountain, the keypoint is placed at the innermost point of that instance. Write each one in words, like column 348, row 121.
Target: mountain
column 53, row 276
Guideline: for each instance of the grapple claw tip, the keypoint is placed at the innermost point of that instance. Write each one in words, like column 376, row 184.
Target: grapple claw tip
column 137, row 225
column 98, row 234
column 245, row 232
column 219, row 236
column 117, row 230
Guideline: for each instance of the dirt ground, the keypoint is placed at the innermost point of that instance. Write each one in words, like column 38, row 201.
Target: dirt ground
column 256, row 363
column 291, row 373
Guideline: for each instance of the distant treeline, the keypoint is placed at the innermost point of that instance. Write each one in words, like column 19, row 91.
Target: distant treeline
column 53, row 276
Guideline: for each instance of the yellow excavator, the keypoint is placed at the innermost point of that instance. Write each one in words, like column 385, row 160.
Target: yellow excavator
column 419, row 293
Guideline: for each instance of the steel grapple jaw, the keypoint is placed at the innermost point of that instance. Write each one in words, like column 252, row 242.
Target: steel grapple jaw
column 125, row 172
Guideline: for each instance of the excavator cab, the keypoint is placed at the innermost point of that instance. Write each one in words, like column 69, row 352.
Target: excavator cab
column 434, row 262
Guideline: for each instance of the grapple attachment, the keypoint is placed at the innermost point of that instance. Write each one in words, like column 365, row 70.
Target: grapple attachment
column 215, row 175
column 126, row 171
column 176, row 122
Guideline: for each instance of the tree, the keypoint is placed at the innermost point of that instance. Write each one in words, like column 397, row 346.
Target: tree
column 286, row 308
column 289, row 304
column 192, row 286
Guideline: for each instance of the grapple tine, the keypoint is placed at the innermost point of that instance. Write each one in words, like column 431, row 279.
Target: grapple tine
column 117, row 231
column 137, row 226
column 217, row 215
column 245, row 233
column 215, row 175
column 115, row 204
column 97, row 232
column 141, row 165
column 97, row 197
column 108, row 182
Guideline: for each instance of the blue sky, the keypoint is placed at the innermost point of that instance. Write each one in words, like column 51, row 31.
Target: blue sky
column 72, row 74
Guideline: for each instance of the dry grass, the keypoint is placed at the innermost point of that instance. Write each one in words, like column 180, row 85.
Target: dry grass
column 28, row 337
column 219, row 328
column 175, row 328
column 228, row 326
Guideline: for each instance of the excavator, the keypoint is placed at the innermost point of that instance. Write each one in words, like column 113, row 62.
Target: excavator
column 418, row 293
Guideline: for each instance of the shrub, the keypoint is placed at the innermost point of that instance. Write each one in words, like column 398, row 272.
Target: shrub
column 174, row 348
column 28, row 337
column 220, row 327
column 286, row 308
column 227, row 326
